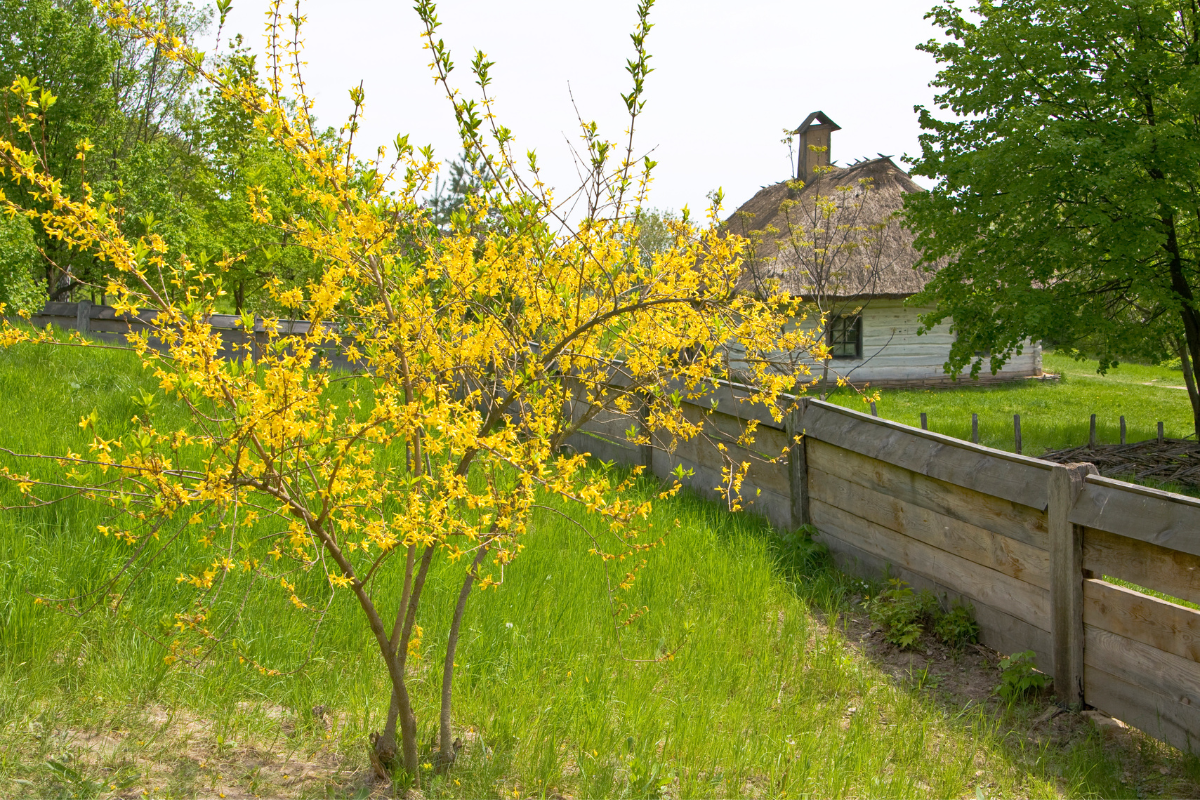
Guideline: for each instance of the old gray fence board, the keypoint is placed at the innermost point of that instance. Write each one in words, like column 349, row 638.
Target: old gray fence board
column 1142, row 665
column 1162, row 518
column 1159, row 568
column 1017, row 478
column 1169, row 627
column 967, row 505
column 1156, row 715
column 984, row 586
column 1013, row 558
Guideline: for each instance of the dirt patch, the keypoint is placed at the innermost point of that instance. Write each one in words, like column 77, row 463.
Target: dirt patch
column 958, row 679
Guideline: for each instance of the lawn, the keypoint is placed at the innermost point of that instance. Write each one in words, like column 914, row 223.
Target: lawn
column 1054, row 414
column 763, row 694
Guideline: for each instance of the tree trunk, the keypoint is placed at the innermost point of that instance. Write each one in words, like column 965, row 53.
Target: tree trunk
column 1189, row 374
column 1188, row 313
column 445, row 742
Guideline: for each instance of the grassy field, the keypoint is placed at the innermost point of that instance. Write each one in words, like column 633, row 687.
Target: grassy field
column 1054, row 414
column 764, row 696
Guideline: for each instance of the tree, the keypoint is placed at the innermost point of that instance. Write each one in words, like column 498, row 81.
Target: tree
column 126, row 101
column 478, row 359
column 1066, row 205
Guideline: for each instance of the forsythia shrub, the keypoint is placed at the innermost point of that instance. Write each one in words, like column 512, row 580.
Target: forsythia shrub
column 477, row 353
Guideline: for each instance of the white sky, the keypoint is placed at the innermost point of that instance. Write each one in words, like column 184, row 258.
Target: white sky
column 729, row 77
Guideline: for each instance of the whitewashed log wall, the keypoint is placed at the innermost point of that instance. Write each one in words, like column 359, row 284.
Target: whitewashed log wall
column 893, row 355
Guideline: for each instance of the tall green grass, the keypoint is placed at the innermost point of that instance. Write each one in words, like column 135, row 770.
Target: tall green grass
column 737, row 681
column 1054, row 414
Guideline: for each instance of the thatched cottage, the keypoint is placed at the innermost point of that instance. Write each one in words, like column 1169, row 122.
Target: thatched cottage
column 832, row 237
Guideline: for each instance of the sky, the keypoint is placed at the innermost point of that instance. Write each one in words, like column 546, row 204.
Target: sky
column 728, row 78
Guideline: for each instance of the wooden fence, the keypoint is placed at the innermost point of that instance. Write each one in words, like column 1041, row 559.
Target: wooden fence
column 1029, row 543
column 102, row 322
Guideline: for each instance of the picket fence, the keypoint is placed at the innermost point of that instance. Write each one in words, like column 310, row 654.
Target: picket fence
column 1030, row 544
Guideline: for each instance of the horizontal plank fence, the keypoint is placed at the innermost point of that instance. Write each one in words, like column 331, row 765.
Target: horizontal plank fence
column 1037, row 548
column 1033, row 546
column 102, row 323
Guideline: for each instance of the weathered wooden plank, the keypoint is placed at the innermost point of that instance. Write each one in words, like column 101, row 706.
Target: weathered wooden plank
column 1139, row 512
column 991, row 513
column 1142, row 665
column 1001, row 553
column 702, row 451
column 1166, row 626
column 1177, row 725
column 733, row 399
column 704, row 480
column 1066, row 580
column 1017, row 478
column 1168, row 571
column 604, row 449
column 987, row 586
column 998, row 630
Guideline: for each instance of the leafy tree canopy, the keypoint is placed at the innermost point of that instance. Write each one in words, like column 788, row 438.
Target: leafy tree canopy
column 1066, row 206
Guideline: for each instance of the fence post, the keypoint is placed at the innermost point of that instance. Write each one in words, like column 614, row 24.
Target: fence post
column 1122, row 429
column 1017, row 432
column 1092, row 432
column 83, row 316
column 797, row 464
column 924, row 422
column 975, row 428
column 645, row 451
column 1066, row 580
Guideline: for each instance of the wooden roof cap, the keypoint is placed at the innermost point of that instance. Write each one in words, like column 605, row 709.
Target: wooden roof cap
column 820, row 118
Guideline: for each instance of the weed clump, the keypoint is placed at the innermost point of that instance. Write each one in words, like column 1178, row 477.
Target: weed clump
column 1018, row 677
column 957, row 627
column 904, row 615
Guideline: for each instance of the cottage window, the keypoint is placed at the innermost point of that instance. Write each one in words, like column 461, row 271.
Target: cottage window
column 845, row 337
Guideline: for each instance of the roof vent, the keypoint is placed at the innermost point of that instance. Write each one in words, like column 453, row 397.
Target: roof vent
column 815, row 131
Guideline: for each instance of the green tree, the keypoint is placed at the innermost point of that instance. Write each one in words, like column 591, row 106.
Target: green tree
column 1066, row 203
column 129, row 103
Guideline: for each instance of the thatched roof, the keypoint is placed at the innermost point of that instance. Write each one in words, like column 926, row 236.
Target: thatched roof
column 861, row 250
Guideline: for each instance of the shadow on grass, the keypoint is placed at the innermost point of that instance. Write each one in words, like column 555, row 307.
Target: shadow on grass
column 1043, row 739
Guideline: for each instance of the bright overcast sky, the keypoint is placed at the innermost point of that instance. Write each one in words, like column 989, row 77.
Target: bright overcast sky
column 729, row 77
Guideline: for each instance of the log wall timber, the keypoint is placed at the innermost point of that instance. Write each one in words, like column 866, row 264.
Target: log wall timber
column 894, row 355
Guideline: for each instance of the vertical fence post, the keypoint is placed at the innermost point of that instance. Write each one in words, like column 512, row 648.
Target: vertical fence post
column 83, row 316
column 1017, row 431
column 1066, row 580
column 924, row 422
column 797, row 464
column 1122, row 430
column 874, row 413
column 1160, row 432
column 1092, row 432
column 646, row 451
column 975, row 428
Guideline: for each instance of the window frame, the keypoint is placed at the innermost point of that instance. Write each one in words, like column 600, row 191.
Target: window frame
column 857, row 323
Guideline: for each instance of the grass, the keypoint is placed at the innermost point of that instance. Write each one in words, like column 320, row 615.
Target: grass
column 763, row 696
column 1054, row 414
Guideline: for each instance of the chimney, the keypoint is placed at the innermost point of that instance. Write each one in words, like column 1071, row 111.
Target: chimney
column 815, row 131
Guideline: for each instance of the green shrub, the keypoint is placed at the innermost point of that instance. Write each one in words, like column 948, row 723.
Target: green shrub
column 1018, row 677
column 957, row 627
column 902, row 613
